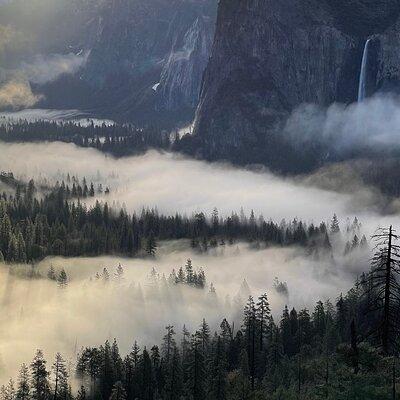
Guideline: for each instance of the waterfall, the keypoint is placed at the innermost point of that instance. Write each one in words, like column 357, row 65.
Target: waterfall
column 362, row 87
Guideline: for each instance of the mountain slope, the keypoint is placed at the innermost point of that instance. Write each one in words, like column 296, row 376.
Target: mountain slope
column 270, row 56
column 149, row 57
column 145, row 60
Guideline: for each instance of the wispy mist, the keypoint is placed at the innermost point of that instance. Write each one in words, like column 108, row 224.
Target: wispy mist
column 173, row 183
column 36, row 313
column 87, row 314
column 17, row 93
column 373, row 123
column 44, row 69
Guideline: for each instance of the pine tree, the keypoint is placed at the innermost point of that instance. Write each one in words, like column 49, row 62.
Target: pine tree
column 118, row 391
column 363, row 242
column 40, row 387
column 212, row 289
column 81, row 395
column 116, row 360
column 319, row 319
column 173, row 382
column 51, row 274
column 195, row 369
column 151, row 245
column 240, row 386
column 7, row 392
column 226, row 333
column 355, row 243
column 215, row 221
column 106, row 370
column 62, row 279
column 105, row 275
column 185, row 343
column 168, row 344
column 181, row 276
column 201, row 279
column 335, row 228
column 158, row 376
column 341, row 318
column 5, row 232
column 13, row 249
column 286, row 332
column 204, row 336
column 263, row 313
column 189, row 272
column 60, row 378
column 383, row 289
column 218, row 371
column 135, row 354
column 23, row 388
column 21, row 248
column 249, row 325
column 120, row 273
column 147, row 376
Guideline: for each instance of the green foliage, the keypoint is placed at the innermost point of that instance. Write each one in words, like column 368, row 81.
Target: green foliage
column 117, row 139
column 262, row 361
column 59, row 224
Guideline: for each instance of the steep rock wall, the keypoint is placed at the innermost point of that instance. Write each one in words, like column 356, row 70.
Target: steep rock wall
column 270, row 56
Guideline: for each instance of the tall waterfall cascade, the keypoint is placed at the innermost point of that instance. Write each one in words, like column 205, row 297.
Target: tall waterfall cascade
column 362, row 87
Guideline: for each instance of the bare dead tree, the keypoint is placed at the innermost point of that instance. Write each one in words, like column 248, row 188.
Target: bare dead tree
column 383, row 289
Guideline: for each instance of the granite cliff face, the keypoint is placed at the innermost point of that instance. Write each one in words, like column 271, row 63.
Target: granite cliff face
column 149, row 57
column 183, row 72
column 270, row 56
column 146, row 57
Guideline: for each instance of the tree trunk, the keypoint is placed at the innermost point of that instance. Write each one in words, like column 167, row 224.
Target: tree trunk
column 253, row 342
column 354, row 347
column 386, row 316
column 394, row 379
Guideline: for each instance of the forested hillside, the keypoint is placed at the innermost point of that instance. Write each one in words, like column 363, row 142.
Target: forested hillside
column 119, row 140
column 37, row 222
column 341, row 349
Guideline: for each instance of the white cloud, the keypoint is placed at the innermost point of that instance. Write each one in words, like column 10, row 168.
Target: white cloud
column 374, row 123
column 17, row 93
column 89, row 312
column 43, row 69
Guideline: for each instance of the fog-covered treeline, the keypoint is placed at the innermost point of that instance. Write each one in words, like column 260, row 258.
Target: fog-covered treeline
column 117, row 139
column 33, row 227
column 324, row 353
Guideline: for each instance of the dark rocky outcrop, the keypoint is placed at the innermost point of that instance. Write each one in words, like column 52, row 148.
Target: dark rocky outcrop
column 183, row 72
column 149, row 57
column 364, row 17
column 146, row 61
column 270, row 56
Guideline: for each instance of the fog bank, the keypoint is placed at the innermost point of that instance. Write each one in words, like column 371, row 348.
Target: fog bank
column 173, row 183
column 373, row 123
column 36, row 313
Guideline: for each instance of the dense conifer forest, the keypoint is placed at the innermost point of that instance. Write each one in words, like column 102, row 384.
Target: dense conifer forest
column 121, row 140
column 117, row 139
column 54, row 220
column 341, row 349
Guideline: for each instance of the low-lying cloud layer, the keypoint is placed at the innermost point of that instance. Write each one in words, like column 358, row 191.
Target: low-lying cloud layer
column 173, row 183
column 87, row 314
column 373, row 123
column 36, row 313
